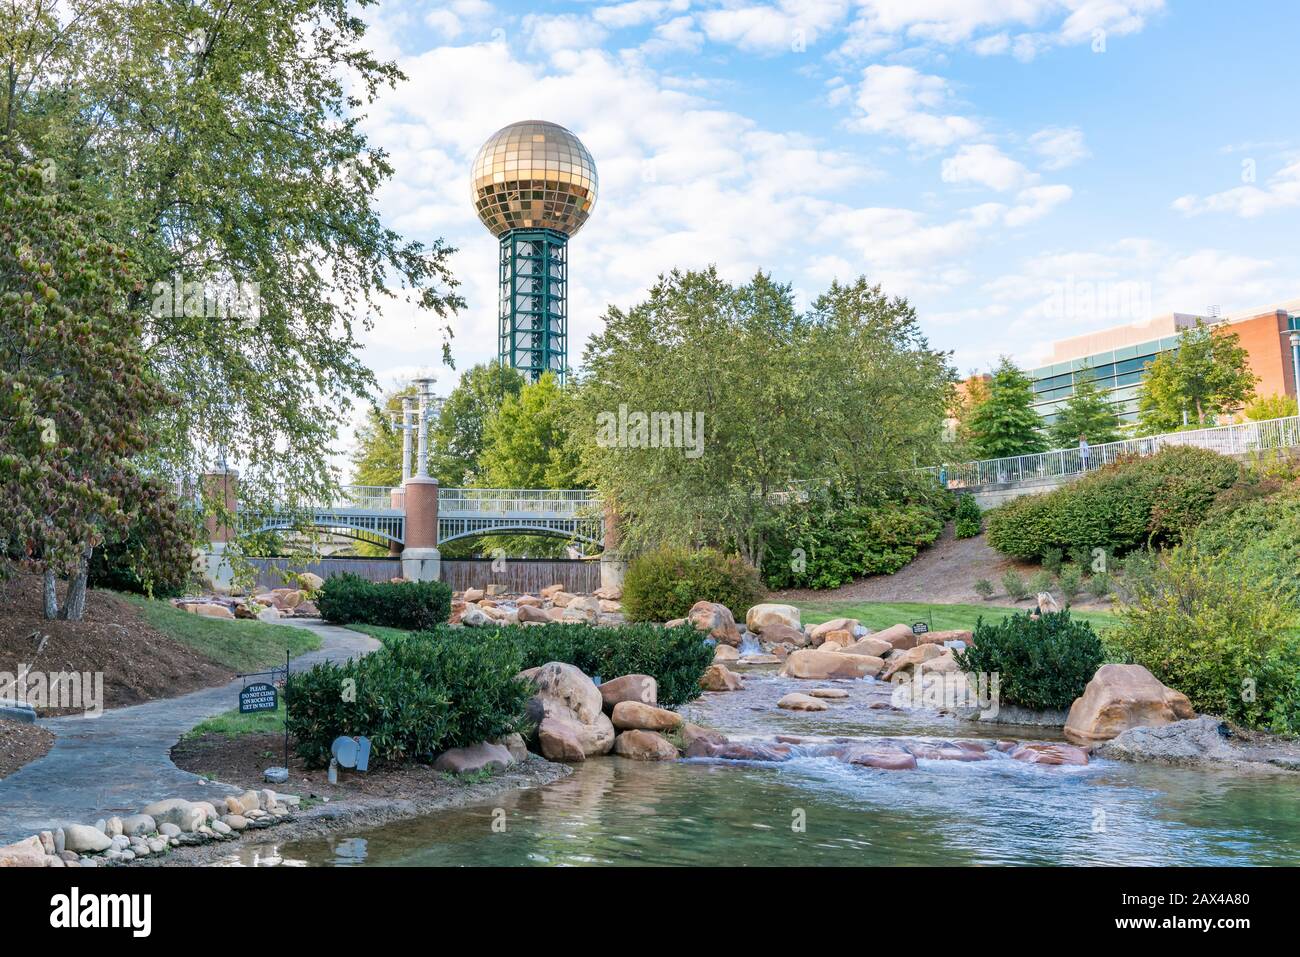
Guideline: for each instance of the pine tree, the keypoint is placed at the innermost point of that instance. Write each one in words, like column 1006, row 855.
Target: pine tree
column 1005, row 423
column 1086, row 413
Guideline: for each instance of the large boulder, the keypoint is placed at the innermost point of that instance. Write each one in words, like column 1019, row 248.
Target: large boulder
column 582, row 610
column 1046, row 752
column 720, row 678
column 642, row 688
column 563, row 739
column 761, row 616
column 819, row 632
column 566, row 695
column 644, row 746
column 635, row 716
column 817, row 664
column 209, row 610
column 83, row 838
column 868, row 646
column 26, row 853
column 184, row 814
column 900, row 636
column 882, row 756
column 476, row 757
column 1191, row 743
column 725, row 653
column 941, row 637
column 801, row 702
column 919, row 654
column 533, row 613
column 716, row 620
column 1120, row 697
column 311, row 581
column 694, row 732
column 475, row 617
column 778, row 633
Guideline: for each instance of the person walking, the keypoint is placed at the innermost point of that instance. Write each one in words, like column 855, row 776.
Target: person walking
column 1083, row 452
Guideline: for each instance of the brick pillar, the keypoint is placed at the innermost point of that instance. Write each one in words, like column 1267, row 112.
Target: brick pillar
column 421, row 560
column 612, row 565
column 396, row 497
column 224, row 487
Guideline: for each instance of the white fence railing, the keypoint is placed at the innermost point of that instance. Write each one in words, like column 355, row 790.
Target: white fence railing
column 517, row 501
column 1237, row 439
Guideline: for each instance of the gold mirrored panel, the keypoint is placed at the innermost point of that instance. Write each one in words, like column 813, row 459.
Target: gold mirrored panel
column 534, row 175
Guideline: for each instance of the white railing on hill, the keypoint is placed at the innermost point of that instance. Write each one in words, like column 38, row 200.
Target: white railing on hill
column 1237, row 439
column 517, row 501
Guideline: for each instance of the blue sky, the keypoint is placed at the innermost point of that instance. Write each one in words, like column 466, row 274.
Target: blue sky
column 991, row 161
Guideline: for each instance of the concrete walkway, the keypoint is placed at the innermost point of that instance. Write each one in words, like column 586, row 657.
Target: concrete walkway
column 119, row 762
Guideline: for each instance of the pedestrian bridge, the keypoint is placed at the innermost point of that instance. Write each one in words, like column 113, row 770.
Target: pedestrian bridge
column 377, row 514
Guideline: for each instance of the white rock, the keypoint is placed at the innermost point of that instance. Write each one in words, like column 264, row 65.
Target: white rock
column 221, row 827
column 114, row 827
column 168, row 830
column 83, row 837
column 138, row 824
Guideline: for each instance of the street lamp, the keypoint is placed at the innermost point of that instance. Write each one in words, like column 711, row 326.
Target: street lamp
column 407, row 426
column 424, row 393
column 1295, row 361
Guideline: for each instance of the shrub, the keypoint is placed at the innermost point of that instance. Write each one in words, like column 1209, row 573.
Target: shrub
column 968, row 521
column 663, row 584
column 838, row 540
column 1098, row 585
column 414, row 698
column 1071, row 581
column 153, row 556
column 1040, row 581
column 1053, row 559
column 412, row 605
column 1013, row 583
column 1153, row 500
column 1223, row 641
column 1042, row 662
column 984, row 588
column 1260, row 539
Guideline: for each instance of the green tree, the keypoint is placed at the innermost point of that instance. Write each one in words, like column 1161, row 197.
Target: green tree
column 457, row 440
column 1005, row 423
column 377, row 454
column 225, row 142
column 526, row 443
column 1271, row 407
column 1205, row 375
column 1087, row 412
column 747, row 402
column 74, row 396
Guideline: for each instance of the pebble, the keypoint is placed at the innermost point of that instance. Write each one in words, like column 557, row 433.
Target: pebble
column 168, row 830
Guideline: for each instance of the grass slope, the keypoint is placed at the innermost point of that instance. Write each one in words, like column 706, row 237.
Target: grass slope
column 232, row 724
column 240, row 645
column 877, row 615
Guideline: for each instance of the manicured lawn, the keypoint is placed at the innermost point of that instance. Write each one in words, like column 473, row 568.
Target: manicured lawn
column 233, row 724
column 877, row 615
column 239, row 645
column 382, row 632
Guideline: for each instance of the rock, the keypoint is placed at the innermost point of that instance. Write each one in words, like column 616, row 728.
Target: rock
column 609, row 592
column 208, row 809
column 514, row 743
column 113, row 827
column 29, row 852
column 693, row 732
column 900, row 636
column 725, row 653
column 818, row 664
column 716, row 620
column 121, row 842
column 475, row 757
column 528, row 601
column 59, row 838
column 208, row 610
column 1186, row 743
column 840, row 636
column 562, row 599
column 1044, row 752
column 266, row 799
column 68, row 857
column 828, row 693
column 819, row 632
column 762, row 659
column 917, row 654
column 641, row 688
column 83, row 837
column 635, row 716
column 559, row 740
column 947, row 751
column 138, row 824
column 533, row 613
column 269, row 613
column 737, row 751
column 249, row 800
column 184, row 814
column 581, row 609
column 473, row 594
column 496, row 588
column 221, row 827
column 873, row 647
column 675, row 623
column 157, row 846
column 554, row 613
column 784, row 634
column 566, row 694
column 236, row 822
column 1120, row 697
column 719, row 678
column 308, row 609
column 801, row 702
column 276, row 775
column 942, row 637
column 883, row 758
column 760, row 616
column 311, row 581
column 169, row 830
column 643, row 745
column 550, row 591
column 47, row 841
column 610, row 607
column 475, row 617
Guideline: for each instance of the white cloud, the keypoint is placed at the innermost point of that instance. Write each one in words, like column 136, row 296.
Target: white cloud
column 554, row 34
column 678, row 34
column 1035, row 203
column 454, row 18
column 1059, row 146
column 901, row 101
column 985, row 165
column 785, row 25
column 1281, row 192
column 637, row 12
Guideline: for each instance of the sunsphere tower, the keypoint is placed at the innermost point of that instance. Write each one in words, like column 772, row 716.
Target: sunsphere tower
column 534, row 186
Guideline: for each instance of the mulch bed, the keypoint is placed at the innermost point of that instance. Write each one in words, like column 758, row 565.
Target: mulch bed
column 21, row 743
column 241, row 760
column 139, row 662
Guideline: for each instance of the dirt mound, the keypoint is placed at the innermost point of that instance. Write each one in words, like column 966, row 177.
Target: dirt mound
column 139, row 662
column 20, row 743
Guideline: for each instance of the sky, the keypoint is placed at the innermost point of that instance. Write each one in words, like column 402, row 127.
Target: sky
column 1005, row 165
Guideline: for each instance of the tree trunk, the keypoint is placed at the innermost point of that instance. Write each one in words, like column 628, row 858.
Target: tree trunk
column 51, row 596
column 74, row 603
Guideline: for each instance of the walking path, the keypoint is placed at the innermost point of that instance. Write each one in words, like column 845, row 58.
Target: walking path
column 119, row 762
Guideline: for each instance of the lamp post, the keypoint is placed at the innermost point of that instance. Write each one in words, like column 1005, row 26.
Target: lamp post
column 424, row 392
column 1295, row 361
column 408, row 410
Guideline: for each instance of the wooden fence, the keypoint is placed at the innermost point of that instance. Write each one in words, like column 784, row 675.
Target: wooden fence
column 524, row 576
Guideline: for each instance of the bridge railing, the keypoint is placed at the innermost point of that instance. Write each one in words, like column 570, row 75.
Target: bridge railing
column 367, row 497
column 1237, row 439
column 540, row 501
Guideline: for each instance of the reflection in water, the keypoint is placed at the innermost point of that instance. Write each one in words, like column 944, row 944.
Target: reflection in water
column 819, row 811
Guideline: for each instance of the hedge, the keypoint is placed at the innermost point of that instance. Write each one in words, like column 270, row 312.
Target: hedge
column 1041, row 663
column 1154, row 500
column 663, row 584
column 348, row 599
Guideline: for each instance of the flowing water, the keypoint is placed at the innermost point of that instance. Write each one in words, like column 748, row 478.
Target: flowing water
column 818, row 810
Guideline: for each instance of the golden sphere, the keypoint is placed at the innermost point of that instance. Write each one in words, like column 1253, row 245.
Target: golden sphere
column 534, row 175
